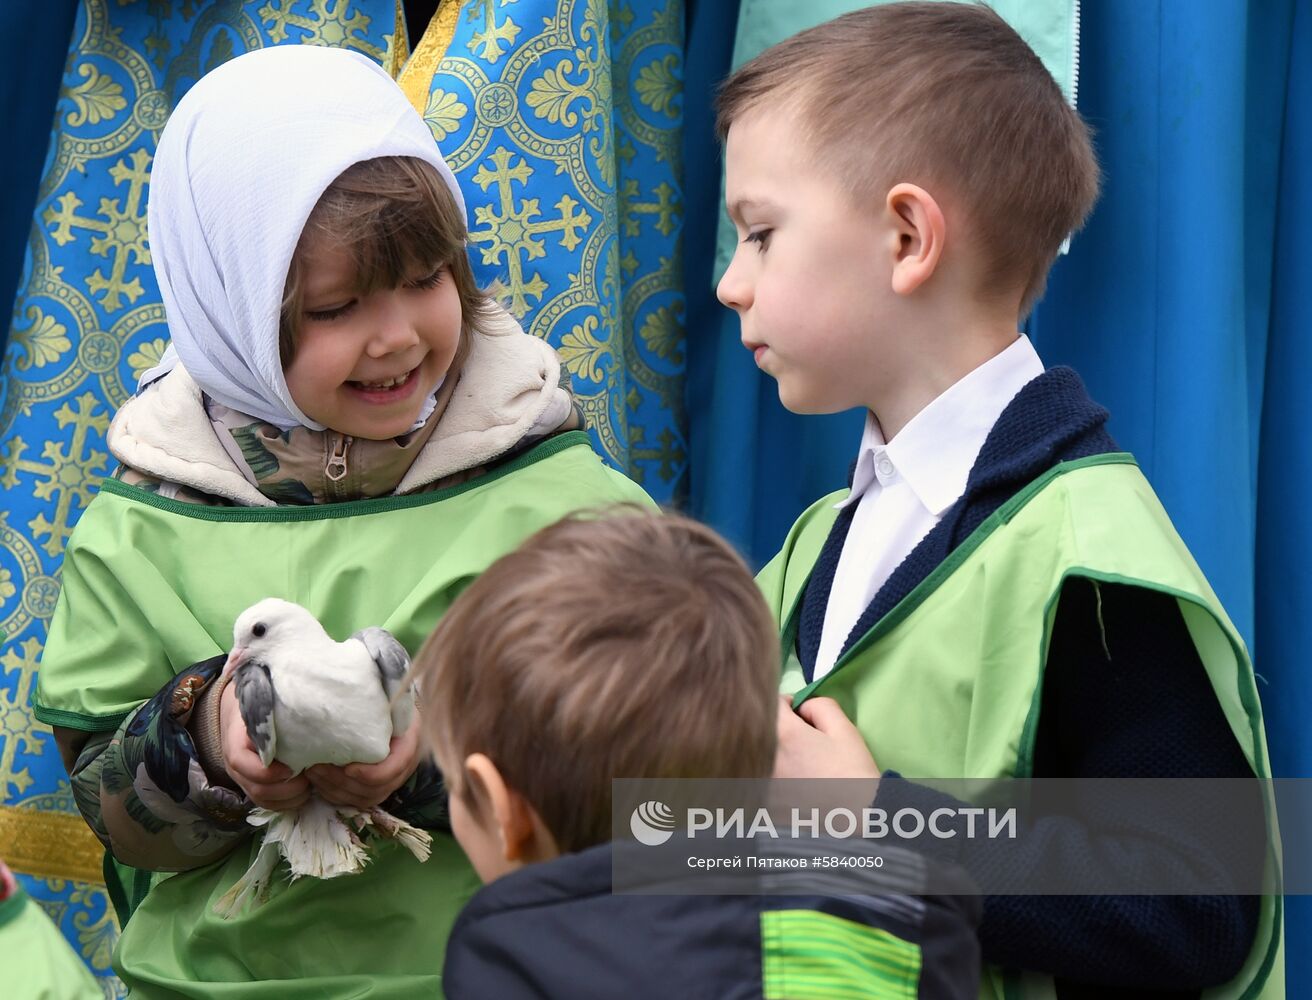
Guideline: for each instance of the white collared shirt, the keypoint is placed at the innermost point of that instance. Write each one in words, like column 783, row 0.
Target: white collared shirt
column 903, row 487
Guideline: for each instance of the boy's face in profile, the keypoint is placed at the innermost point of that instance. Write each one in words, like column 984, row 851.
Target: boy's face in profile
column 810, row 276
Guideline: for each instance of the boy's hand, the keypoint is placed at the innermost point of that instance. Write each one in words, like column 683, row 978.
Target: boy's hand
column 363, row 786
column 819, row 741
column 270, row 787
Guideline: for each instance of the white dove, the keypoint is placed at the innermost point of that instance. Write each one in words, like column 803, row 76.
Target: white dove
column 306, row 700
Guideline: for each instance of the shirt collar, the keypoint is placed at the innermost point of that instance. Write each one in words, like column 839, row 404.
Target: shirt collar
column 872, row 445
column 935, row 451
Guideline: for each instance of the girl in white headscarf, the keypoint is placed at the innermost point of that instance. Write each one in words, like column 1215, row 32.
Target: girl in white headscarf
column 344, row 421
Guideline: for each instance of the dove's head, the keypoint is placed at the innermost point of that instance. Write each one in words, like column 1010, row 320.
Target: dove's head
column 267, row 624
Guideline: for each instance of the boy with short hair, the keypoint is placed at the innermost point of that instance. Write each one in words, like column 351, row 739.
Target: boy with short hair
column 999, row 592
column 634, row 646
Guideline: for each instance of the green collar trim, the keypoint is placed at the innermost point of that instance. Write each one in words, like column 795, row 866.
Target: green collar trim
column 921, row 592
column 76, row 720
column 109, row 722
column 353, row 508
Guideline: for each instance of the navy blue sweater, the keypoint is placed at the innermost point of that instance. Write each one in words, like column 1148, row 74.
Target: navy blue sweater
column 1142, row 706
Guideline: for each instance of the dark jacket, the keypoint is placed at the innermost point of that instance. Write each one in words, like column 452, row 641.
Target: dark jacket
column 556, row 929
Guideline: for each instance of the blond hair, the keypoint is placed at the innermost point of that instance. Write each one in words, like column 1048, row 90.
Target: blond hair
column 628, row 645
column 947, row 96
column 396, row 218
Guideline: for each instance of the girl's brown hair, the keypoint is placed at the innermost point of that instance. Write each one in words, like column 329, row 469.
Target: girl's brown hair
column 396, row 218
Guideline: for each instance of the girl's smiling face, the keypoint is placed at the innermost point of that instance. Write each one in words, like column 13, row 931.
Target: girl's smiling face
column 364, row 364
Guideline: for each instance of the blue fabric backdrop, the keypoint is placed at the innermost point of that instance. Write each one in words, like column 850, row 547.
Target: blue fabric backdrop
column 1185, row 304
column 1183, row 307
column 1284, row 531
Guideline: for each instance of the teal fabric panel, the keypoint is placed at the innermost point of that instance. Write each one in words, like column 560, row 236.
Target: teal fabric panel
column 1050, row 27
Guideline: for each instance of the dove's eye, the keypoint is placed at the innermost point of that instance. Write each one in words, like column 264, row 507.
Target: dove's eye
column 258, row 630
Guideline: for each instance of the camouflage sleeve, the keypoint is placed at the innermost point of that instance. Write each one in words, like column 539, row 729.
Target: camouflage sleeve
column 143, row 790
column 171, row 491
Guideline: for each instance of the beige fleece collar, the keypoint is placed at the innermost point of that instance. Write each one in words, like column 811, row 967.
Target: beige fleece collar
column 508, row 389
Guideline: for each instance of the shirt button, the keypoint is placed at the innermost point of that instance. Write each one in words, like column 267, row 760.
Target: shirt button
column 884, row 467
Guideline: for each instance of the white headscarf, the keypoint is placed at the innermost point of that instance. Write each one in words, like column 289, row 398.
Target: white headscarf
column 243, row 160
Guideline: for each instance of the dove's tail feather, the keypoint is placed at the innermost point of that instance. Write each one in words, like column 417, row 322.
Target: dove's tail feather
column 253, row 886
column 317, row 841
column 418, row 842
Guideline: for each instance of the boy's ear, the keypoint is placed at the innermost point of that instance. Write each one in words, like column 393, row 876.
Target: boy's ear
column 919, row 229
column 522, row 834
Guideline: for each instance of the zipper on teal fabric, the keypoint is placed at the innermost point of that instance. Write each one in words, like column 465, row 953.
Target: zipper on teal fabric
column 1065, row 247
column 1075, row 51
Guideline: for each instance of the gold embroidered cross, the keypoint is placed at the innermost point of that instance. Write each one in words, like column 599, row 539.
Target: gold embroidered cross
column 69, row 473
column 327, row 24
column 19, row 730
column 122, row 231
column 493, row 34
column 512, row 234
column 666, row 207
column 669, row 454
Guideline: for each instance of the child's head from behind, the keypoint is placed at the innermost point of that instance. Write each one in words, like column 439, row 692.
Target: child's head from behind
column 905, row 166
column 629, row 646
column 309, row 243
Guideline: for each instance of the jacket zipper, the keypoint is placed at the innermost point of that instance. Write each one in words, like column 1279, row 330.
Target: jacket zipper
column 335, row 470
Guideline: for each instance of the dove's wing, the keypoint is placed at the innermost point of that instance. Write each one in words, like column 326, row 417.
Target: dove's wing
column 393, row 661
column 255, row 700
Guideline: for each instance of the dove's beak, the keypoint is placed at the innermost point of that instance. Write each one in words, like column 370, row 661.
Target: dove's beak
column 235, row 659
